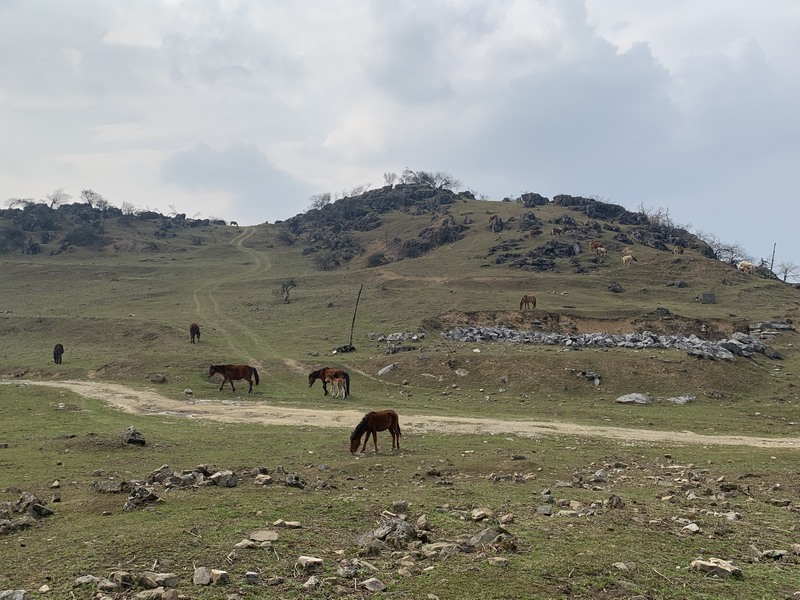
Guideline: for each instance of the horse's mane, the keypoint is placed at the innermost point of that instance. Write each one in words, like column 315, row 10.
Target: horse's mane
column 360, row 428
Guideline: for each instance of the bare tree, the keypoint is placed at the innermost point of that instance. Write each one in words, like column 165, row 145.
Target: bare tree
column 128, row 209
column 357, row 190
column 787, row 270
column 445, row 181
column 284, row 288
column 390, row 178
column 725, row 252
column 57, row 197
column 438, row 179
column 91, row 197
column 320, row 200
column 15, row 202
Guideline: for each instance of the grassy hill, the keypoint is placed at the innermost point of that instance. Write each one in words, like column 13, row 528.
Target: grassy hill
column 119, row 291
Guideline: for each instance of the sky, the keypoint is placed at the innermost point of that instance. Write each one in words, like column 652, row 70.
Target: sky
column 243, row 110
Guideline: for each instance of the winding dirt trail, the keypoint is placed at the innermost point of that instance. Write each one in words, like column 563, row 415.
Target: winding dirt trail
column 147, row 402
column 208, row 309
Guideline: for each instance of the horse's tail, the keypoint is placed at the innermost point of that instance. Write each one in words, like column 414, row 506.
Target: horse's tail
column 255, row 374
column 534, row 300
column 347, row 383
column 398, row 425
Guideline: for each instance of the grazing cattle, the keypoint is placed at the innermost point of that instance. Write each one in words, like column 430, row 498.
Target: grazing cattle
column 746, row 266
column 627, row 250
column 556, row 231
column 677, row 250
column 601, row 252
column 595, row 245
column 57, row 352
column 528, row 301
column 194, row 332
column 534, row 232
column 628, row 259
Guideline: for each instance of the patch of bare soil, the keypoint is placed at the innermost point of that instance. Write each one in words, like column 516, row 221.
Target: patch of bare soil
column 147, row 402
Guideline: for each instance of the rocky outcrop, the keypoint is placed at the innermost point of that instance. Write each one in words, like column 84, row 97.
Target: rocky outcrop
column 740, row 344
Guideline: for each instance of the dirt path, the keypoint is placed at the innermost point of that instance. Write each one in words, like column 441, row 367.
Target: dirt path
column 146, row 402
column 208, row 309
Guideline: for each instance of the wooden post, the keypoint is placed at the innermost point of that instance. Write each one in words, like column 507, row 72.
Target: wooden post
column 352, row 326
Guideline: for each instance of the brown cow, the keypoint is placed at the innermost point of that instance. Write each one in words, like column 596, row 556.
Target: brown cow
column 595, row 245
column 677, row 250
column 557, row 231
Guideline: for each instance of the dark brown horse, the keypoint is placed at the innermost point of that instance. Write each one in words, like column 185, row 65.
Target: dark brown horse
column 528, row 301
column 194, row 332
column 372, row 423
column 326, row 374
column 57, row 352
column 231, row 372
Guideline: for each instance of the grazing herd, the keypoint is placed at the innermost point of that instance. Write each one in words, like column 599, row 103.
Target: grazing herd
column 339, row 380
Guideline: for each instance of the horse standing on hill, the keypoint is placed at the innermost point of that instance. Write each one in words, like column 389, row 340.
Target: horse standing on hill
column 194, row 332
column 57, row 352
column 528, row 301
column 325, row 374
column 628, row 259
column 372, row 423
column 231, row 372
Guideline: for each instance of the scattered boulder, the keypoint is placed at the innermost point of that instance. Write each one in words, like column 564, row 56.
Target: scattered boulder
column 132, row 436
column 635, row 399
column 716, row 567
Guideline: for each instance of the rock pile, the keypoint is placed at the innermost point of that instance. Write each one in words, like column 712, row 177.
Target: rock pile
column 739, row 344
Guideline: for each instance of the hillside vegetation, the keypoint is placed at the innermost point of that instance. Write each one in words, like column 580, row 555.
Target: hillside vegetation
column 120, row 290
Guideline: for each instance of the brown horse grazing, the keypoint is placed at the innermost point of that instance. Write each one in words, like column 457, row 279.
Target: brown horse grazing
column 231, row 372
column 194, row 332
column 57, row 352
column 528, row 301
column 325, row 374
column 372, row 423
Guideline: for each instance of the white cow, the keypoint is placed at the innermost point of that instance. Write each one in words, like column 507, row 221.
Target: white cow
column 745, row 266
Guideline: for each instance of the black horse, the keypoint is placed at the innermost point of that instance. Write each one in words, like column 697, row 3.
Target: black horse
column 57, row 352
column 194, row 332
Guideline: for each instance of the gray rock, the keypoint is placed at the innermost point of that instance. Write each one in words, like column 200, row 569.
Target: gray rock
column 635, row 399
column 202, row 576
column 132, row 436
column 387, row 369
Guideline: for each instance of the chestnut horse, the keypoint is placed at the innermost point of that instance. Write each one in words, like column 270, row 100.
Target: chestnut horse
column 57, row 352
column 325, row 374
column 194, row 332
column 338, row 387
column 528, row 301
column 231, row 372
column 372, row 423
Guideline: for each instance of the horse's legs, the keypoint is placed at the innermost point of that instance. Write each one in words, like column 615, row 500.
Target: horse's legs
column 366, row 439
column 375, row 439
column 250, row 381
column 324, row 386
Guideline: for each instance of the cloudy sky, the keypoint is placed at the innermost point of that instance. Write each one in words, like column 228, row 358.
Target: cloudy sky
column 242, row 110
